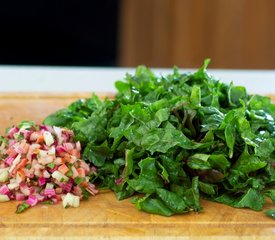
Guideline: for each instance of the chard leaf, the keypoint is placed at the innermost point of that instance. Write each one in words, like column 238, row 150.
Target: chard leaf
column 161, row 140
column 207, row 188
column 172, row 200
column 270, row 213
column 199, row 161
column 129, row 163
column 174, row 170
column 96, row 154
column 236, row 93
column 63, row 118
column 251, row 199
column 174, row 137
column 247, row 163
column 153, row 205
column 219, row 161
column 195, row 97
column 192, row 195
column 162, row 115
column 148, row 180
column 164, row 174
column 230, row 138
column 271, row 194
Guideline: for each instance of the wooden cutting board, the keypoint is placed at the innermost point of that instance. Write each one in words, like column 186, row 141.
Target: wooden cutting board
column 103, row 217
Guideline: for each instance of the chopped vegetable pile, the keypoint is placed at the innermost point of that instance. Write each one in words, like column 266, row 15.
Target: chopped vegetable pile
column 172, row 139
column 40, row 163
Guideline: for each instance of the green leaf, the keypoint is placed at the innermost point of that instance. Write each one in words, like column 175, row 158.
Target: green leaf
column 209, row 137
column 162, row 115
column 148, row 180
column 22, row 207
column 96, row 154
column 207, row 188
column 247, row 163
column 79, row 180
column 122, row 87
column 251, row 199
column 164, row 174
column 129, row 163
column 63, row 118
column 270, row 213
column 230, row 138
column 192, row 195
column 219, row 161
column 124, row 193
column 195, row 97
column 271, row 194
column 173, row 137
column 199, row 161
column 174, row 170
column 92, row 129
column 258, row 102
column 201, row 73
column 172, row 200
column 140, row 113
column 153, row 205
column 265, row 148
column 226, row 198
column 26, row 125
column 236, row 93
column 161, row 140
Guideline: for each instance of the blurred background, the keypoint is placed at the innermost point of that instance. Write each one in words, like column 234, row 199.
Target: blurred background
column 237, row 34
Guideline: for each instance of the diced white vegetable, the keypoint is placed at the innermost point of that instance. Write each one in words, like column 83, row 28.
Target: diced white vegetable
column 58, row 161
column 4, row 175
column 34, row 136
column 60, row 176
column 76, row 201
column 15, row 162
column 43, row 153
column 48, row 138
column 70, row 200
column 45, row 160
column 2, row 147
column 58, row 131
column 49, row 186
column 51, row 151
column 12, row 186
column 46, row 174
column 75, row 173
column 4, row 198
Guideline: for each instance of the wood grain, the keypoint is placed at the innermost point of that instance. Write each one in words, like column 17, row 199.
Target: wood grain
column 163, row 33
column 103, row 217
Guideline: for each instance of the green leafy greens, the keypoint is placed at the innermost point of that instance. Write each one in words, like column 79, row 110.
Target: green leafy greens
column 169, row 140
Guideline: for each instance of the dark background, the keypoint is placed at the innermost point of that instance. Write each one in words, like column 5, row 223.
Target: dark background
column 79, row 33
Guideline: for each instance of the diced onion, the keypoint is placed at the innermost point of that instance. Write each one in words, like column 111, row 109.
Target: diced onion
column 70, row 200
column 4, row 198
column 60, row 177
column 4, row 175
column 48, row 138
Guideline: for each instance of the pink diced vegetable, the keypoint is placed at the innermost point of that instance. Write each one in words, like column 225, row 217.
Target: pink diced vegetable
column 4, row 189
column 42, row 163
column 32, row 200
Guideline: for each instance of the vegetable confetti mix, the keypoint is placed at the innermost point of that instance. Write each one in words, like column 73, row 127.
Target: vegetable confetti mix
column 41, row 163
column 172, row 139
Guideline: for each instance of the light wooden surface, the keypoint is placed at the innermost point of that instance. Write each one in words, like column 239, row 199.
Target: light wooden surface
column 103, row 217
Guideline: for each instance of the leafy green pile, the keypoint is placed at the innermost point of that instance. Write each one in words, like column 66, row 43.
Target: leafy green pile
column 174, row 138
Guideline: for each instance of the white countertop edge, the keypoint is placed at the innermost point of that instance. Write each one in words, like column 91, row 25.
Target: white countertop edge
column 102, row 79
